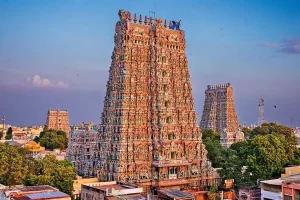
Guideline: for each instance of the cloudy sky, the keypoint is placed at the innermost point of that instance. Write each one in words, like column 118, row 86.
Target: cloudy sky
column 56, row 54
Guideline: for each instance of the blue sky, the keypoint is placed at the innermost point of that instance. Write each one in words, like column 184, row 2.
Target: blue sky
column 56, row 53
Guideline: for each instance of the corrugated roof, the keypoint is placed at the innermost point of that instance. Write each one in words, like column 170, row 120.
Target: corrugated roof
column 46, row 195
column 273, row 182
column 176, row 194
column 128, row 197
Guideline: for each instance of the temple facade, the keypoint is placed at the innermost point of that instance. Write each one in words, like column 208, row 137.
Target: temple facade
column 219, row 114
column 149, row 133
column 81, row 147
column 58, row 120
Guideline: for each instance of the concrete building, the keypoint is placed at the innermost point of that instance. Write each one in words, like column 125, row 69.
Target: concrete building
column 80, row 181
column 111, row 190
column 291, row 191
column 273, row 189
column 174, row 194
column 41, row 192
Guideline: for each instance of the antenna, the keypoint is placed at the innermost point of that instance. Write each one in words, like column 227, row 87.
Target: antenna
column 261, row 112
column 153, row 12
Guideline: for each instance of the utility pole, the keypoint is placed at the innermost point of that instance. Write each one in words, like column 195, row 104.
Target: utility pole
column 261, row 112
column 3, row 122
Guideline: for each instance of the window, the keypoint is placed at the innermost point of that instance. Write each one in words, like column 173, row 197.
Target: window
column 171, row 136
column 168, row 120
column 166, row 103
column 164, row 73
column 163, row 59
column 286, row 197
column 173, row 155
column 165, row 88
column 172, row 170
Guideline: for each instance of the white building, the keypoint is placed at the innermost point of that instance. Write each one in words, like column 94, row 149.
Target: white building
column 271, row 189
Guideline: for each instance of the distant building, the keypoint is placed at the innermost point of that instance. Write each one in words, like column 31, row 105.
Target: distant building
column 58, row 120
column 111, row 190
column 219, row 114
column 41, row 192
column 80, row 181
column 290, row 191
column 33, row 147
column 80, row 151
column 228, row 138
column 282, row 188
column 174, row 194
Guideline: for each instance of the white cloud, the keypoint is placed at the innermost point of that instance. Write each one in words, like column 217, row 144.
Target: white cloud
column 61, row 84
column 38, row 81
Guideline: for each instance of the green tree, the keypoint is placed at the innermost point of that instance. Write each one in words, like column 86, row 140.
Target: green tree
column 214, row 148
column 9, row 134
column 268, row 154
column 13, row 168
column 247, row 132
column 1, row 135
column 52, row 139
column 275, row 129
column 50, row 171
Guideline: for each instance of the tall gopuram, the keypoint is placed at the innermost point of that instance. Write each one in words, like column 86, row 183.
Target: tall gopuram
column 58, row 120
column 81, row 146
column 149, row 133
column 219, row 114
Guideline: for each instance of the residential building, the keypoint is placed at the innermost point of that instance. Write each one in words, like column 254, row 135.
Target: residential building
column 41, row 192
column 80, row 181
column 175, row 194
column 111, row 190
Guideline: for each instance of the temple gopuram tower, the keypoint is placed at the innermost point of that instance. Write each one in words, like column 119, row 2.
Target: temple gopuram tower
column 219, row 114
column 81, row 148
column 149, row 133
column 58, row 120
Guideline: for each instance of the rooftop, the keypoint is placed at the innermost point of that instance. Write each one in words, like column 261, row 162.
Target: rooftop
column 114, row 189
column 178, row 194
column 129, row 197
column 43, row 195
column 273, row 182
column 32, row 188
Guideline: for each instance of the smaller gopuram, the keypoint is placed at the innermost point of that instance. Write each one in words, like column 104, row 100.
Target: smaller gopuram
column 80, row 149
column 219, row 114
column 58, row 120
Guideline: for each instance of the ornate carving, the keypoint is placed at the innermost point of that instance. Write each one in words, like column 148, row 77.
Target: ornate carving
column 149, row 130
column 219, row 114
